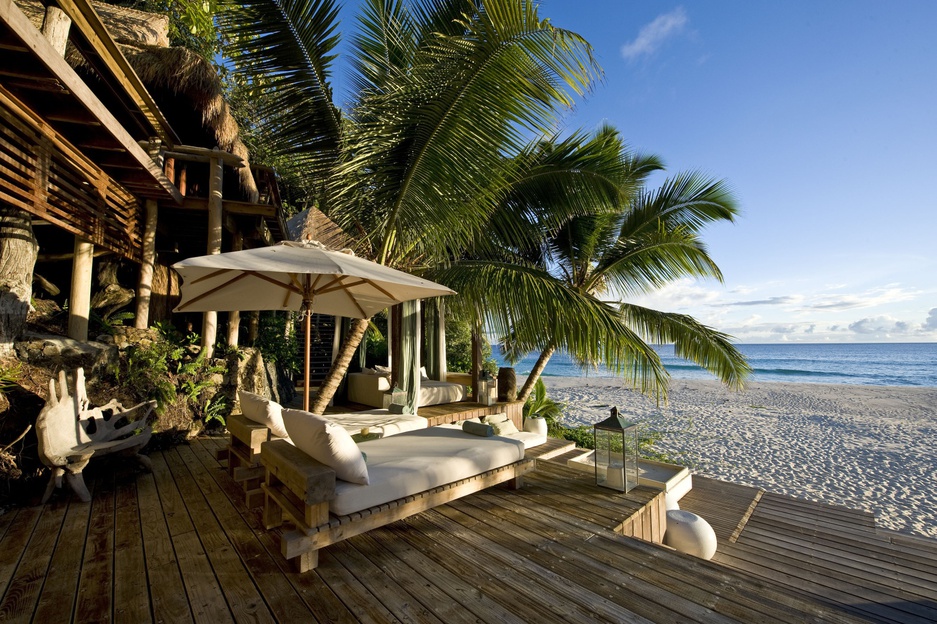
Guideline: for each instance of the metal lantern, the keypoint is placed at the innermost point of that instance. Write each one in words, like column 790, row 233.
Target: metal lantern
column 487, row 388
column 616, row 453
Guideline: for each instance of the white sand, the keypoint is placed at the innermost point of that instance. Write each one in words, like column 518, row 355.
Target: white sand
column 866, row 447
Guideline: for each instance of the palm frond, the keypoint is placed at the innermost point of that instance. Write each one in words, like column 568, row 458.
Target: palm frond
column 285, row 48
column 537, row 310
column 707, row 347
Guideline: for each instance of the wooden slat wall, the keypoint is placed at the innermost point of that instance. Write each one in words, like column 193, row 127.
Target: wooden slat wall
column 46, row 176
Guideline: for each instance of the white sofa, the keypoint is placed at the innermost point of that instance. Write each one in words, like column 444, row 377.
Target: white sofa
column 369, row 389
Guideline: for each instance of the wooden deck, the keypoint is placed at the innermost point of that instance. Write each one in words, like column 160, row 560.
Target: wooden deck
column 834, row 554
column 178, row 545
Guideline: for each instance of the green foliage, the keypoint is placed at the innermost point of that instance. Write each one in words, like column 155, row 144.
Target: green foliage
column 10, row 376
column 459, row 348
column 216, row 408
column 276, row 345
column 166, row 372
column 144, row 371
column 540, row 405
column 108, row 324
column 191, row 22
column 583, row 436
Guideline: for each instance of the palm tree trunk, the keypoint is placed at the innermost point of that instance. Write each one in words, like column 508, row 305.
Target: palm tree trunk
column 340, row 366
column 534, row 375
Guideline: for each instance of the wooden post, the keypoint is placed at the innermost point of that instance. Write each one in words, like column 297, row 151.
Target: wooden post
column 79, row 300
column 234, row 317
column 210, row 319
column 145, row 283
column 253, row 327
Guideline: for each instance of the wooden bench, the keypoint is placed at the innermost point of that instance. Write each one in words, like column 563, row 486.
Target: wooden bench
column 244, row 456
column 298, row 489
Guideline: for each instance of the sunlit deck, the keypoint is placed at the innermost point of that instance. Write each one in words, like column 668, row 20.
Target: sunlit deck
column 179, row 546
column 834, row 554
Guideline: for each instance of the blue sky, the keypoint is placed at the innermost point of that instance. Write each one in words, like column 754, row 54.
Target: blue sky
column 822, row 116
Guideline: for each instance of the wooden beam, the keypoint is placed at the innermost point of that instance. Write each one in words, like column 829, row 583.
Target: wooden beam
column 232, row 207
column 45, row 54
column 92, row 28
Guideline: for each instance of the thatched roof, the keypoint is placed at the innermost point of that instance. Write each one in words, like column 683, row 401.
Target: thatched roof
column 313, row 224
column 194, row 82
column 189, row 84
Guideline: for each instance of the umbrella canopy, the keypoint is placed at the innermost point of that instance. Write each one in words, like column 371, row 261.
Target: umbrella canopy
column 297, row 276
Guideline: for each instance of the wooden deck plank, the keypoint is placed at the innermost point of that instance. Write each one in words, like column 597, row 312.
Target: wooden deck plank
column 388, row 592
column 282, row 600
column 14, row 543
column 22, row 594
column 497, row 581
column 95, row 601
column 679, row 577
column 459, row 590
column 60, row 590
column 831, row 587
column 314, row 597
column 131, row 597
column 238, row 596
column 168, row 599
column 352, row 592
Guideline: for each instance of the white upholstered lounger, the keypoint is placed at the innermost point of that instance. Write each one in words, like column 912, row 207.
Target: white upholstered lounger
column 409, row 473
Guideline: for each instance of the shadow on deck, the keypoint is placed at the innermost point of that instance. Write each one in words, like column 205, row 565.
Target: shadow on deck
column 178, row 545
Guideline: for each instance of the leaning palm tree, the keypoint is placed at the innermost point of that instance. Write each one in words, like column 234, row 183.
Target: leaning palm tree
column 564, row 292
column 444, row 93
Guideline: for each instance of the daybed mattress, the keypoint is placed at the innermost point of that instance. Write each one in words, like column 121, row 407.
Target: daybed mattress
column 416, row 461
column 379, row 421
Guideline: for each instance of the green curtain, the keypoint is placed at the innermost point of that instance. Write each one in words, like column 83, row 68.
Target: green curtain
column 409, row 374
column 431, row 359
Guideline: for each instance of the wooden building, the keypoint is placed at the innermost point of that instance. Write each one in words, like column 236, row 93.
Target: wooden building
column 121, row 149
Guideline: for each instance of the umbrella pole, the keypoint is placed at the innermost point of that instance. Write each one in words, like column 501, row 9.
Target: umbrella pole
column 307, row 329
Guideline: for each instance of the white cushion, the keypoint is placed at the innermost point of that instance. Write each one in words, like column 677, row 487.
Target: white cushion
column 417, row 461
column 495, row 418
column 504, row 427
column 328, row 443
column 423, row 375
column 263, row 411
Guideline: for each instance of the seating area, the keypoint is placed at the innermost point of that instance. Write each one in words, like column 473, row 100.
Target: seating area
column 370, row 388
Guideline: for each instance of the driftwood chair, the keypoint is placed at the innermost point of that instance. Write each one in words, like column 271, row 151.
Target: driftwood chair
column 71, row 432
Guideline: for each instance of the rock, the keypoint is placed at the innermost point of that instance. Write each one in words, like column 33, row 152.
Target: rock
column 59, row 352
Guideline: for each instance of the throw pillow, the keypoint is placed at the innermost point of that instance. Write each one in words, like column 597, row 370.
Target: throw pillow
column 264, row 411
column 499, row 417
column 423, row 375
column 505, row 427
column 382, row 370
column 477, row 428
column 328, row 443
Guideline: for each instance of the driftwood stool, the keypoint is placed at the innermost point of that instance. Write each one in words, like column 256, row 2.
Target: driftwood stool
column 71, row 432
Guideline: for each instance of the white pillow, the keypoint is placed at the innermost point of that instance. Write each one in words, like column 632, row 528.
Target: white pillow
column 499, row 417
column 423, row 375
column 505, row 427
column 382, row 370
column 264, row 411
column 328, row 443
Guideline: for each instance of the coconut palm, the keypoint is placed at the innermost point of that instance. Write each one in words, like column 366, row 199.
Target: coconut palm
column 564, row 292
column 445, row 92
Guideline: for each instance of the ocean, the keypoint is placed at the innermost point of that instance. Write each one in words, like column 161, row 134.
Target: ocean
column 908, row 364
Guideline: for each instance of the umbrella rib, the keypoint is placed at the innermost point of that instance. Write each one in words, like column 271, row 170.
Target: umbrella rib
column 213, row 290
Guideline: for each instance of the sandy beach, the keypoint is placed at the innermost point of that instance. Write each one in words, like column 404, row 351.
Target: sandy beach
column 868, row 447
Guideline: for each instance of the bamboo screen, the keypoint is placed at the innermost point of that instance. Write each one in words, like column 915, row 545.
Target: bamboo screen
column 46, row 176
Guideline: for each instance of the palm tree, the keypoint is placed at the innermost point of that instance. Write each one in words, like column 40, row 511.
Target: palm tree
column 548, row 295
column 445, row 93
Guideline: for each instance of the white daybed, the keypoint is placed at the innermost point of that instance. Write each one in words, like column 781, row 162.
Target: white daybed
column 407, row 473
column 370, row 388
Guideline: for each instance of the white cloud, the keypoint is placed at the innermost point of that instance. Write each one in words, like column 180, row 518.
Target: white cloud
column 881, row 327
column 931, row 323
column 891, row 293
column 656, row 33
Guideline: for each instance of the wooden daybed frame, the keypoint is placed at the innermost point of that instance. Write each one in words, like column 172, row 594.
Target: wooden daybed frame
column 244, row 456
column 298, row 489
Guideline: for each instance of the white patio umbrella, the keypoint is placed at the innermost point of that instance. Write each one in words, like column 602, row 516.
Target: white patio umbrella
column 292, row 275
